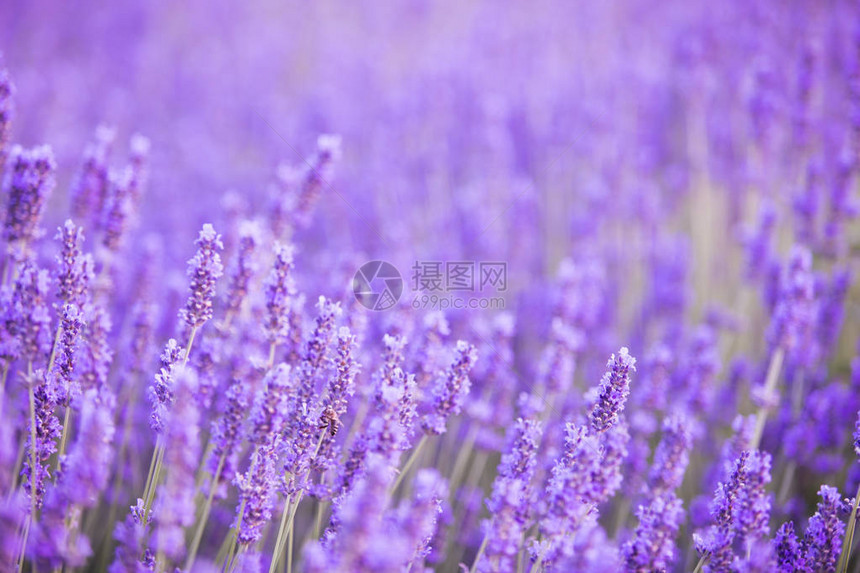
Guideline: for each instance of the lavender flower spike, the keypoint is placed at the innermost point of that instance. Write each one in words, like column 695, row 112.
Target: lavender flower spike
column 257, row 493
column 75, row 269
column 652, row 547
column 796, row 309
column 7, row 91
column 246, row 266
column 161, row 392
column 204, row 270
column 175, row 506
column 29, row 181
column 451, row 389
column 614, row 388
column 280, row 295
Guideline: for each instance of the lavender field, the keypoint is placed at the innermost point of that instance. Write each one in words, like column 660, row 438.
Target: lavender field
column 481, row 286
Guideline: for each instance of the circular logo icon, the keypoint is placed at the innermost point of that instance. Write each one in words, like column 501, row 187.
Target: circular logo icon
column 377, row 285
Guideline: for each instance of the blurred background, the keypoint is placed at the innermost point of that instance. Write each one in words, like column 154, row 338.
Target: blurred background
column 512, row 131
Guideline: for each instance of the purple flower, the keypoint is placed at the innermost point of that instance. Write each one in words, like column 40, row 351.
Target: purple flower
column 787, row 550
column 362, row 542
column 97, row 354
column 66, row 385
column 652, row 547
column 75, row 270
column 317, row 175
column 204, row 270
column 509, row 503
column 7, row 112
column 175, row 507
column 741, row 511
column 417, row 520
column 162, row 390
column 227, row 431
column 83, row 477
column 822, row 541
column 558, row 362
column 451, row 389
column 47, row 433
column 29, row 181
column 571, row 496
column 671, row 456
column 31, row 312
column 280, row 295
column 796, row 307
column 257, row 492
column 90, row 187
column 614, row 388
column 338, row 392
column 269, row 418
column 250, row 239
column 118, row 207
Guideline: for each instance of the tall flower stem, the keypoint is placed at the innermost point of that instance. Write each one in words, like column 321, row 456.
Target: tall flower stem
column 848, row 542
column 234, row 536
column 198, row 533
column 66, row 420
column 276, row 552
column 33, row 471
column 158, row 454
column 480, row 553
column 288, row 517
column 409, row 462
column 773, row 371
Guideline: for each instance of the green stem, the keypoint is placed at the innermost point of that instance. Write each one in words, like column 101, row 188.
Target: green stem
column 287, row 527
column 153, row 485
column 198, row 533
column 190, row 344
column 66, row 419
column 408, row 465
column 480, row 554
column 848, row 542
column 773, row 371
column 234, row 536
column 290, row 551
column 33, row 471
column 276, row 552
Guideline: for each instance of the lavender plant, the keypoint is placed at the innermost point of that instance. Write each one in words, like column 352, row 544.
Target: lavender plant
column 672, row 186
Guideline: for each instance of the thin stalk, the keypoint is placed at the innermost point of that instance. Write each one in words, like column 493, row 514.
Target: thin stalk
column 235, row 559
column 23, row 552
column 19, row 461
column 848, row 542
column 66, row 419
column 463, row 456
column 33, row 470
column 234, row 536
column 198, row 533
column 190, row 344
column 276, row 552
column 290, row 551
column 408, row 465
column 771, row 381
column 272, row 347
column 480, row 554
column 54, row 348
column 3, row 386
column 291, row 509
column 356, row 425
column 153, row 484
column 201, row 470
